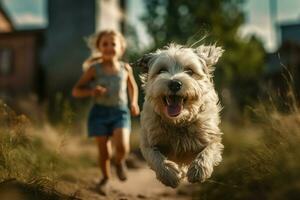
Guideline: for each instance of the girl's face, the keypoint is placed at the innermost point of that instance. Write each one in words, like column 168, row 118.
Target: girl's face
column 110, row 47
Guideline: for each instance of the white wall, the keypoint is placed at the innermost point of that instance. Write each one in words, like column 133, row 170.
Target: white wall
column 109, row 15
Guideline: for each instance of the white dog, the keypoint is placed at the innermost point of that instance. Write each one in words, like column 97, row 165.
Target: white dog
column 180, row 134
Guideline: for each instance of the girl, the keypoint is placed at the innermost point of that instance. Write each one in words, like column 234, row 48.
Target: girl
column 106, row 79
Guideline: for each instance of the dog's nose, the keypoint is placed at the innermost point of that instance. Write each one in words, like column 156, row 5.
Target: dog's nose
column 175, row 85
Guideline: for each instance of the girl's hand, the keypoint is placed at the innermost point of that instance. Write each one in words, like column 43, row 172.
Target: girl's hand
column 135, row 110
column 99, row 91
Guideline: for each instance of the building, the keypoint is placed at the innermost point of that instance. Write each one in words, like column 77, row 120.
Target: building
column 65, row 49
column 19, row 58
column 48, row 60
column 290, row 36
column 284, row 63
column 5, row 21
column 290, row 32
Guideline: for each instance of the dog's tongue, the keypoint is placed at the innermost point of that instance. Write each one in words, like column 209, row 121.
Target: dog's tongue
column 174, row 105
column 174, row 110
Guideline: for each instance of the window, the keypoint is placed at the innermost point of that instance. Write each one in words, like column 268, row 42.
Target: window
column 6, row 61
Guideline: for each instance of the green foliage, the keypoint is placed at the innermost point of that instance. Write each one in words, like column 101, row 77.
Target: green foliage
column 179, row 20
column 186, row 22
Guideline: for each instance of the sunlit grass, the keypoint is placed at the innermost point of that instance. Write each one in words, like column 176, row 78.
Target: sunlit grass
column 261, row 160
column 26, row 162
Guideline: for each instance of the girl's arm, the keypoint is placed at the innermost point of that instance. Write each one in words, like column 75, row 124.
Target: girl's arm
column 132, row 91
column 81, row 90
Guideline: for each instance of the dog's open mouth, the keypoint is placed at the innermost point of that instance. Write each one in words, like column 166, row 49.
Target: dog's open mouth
column 174, row 104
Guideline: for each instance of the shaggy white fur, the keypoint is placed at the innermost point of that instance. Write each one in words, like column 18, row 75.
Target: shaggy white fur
column 180, row 136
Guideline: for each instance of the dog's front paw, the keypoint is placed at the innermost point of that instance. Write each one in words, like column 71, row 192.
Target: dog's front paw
column 198, row 172
column 169, row 174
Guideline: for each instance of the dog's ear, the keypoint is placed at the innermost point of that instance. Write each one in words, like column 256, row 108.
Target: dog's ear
column 210, row 54
column 143, row 63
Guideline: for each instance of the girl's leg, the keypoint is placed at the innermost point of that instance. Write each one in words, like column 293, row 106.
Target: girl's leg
column 105, row 152
column 121, row 142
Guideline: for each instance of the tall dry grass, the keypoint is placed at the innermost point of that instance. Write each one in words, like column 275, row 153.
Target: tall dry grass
column 22, row 156
column 28, row 170
column 261, row 160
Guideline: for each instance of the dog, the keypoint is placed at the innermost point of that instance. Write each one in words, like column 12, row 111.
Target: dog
column 180, row 136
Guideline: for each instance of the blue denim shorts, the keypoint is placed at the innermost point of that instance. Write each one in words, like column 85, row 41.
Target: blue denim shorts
column 103, row 120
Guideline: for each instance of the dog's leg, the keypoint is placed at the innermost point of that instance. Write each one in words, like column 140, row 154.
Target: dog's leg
column 202, row 167
column 167, row 171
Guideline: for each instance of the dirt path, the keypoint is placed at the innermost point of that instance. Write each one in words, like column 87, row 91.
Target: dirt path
column 141, row 184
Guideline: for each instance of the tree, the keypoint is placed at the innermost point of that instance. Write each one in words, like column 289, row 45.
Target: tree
column 186, row 22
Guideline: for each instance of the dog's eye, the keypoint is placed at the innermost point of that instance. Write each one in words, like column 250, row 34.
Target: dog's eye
column 162, row 70
column 189, row 72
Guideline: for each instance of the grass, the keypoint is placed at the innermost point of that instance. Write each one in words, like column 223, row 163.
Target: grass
column 260, row 156
column 261, row 160
column 20, row 155
column 26, row 164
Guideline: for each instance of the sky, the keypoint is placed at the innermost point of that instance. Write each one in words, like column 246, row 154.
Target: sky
column 259, row 23
column 136, row 9
column 31, row 13
column 27, row 13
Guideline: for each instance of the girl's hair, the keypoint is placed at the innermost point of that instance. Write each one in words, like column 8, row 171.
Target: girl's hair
column 93, row 44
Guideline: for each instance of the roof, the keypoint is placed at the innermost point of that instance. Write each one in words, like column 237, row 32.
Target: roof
column 294, row 23
column 8, row 19
column 19, row 32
